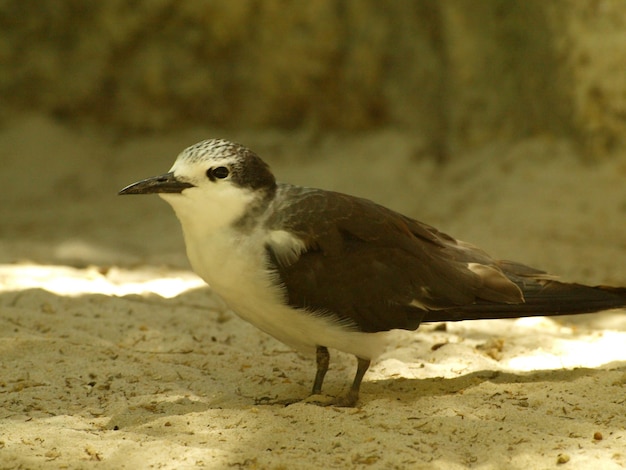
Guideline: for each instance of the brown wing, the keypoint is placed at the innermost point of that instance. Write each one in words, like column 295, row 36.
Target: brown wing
column 374, row 268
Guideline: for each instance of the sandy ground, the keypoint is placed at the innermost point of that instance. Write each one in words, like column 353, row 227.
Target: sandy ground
column 114, row 355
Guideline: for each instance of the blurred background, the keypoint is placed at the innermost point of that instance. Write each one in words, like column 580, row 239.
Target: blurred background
column 502, row 122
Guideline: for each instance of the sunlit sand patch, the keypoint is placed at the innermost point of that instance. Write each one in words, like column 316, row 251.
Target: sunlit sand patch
column 69, row 281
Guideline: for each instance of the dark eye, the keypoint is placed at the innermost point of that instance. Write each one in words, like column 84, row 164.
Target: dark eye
column 220, row 172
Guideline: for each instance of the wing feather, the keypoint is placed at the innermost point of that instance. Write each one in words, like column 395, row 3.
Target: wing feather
column 374, row 268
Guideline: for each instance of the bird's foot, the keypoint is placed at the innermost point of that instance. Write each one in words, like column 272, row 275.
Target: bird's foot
column 319, row 399
column 348, row 400
column 273, row 401
column 314, row 399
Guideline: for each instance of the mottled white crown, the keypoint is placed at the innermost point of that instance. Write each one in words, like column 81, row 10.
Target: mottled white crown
column 246, row 168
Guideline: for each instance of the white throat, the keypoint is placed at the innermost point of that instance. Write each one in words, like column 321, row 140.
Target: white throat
column 203, row 214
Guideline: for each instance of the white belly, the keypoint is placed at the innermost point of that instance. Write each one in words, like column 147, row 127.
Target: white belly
column 235, row 268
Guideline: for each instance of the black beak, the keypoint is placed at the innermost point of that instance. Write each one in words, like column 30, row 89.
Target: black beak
column 166, row 183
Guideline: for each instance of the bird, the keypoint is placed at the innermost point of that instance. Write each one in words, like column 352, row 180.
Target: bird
column 318, row 269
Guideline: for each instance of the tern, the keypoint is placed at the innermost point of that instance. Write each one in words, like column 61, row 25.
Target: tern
column 318, row 269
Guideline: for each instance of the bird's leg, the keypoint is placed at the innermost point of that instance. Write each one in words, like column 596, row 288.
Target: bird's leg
column 350, row 398
column 322, row 358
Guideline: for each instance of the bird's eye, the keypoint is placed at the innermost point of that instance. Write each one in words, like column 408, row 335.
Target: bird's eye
column 220, row 172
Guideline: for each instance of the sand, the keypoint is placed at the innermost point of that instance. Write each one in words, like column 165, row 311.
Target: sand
column 114, row 355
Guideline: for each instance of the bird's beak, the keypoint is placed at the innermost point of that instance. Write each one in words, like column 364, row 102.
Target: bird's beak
column 166, row 183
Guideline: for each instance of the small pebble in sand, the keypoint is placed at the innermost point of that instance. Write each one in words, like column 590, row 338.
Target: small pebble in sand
column 562, row 458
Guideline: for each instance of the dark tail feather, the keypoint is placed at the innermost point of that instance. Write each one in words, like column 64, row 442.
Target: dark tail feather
column 542, row 298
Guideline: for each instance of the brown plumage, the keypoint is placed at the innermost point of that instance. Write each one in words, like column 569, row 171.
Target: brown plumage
column 379, row 270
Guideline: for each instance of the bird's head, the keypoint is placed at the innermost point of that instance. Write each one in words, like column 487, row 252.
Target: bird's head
column 212, row 183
